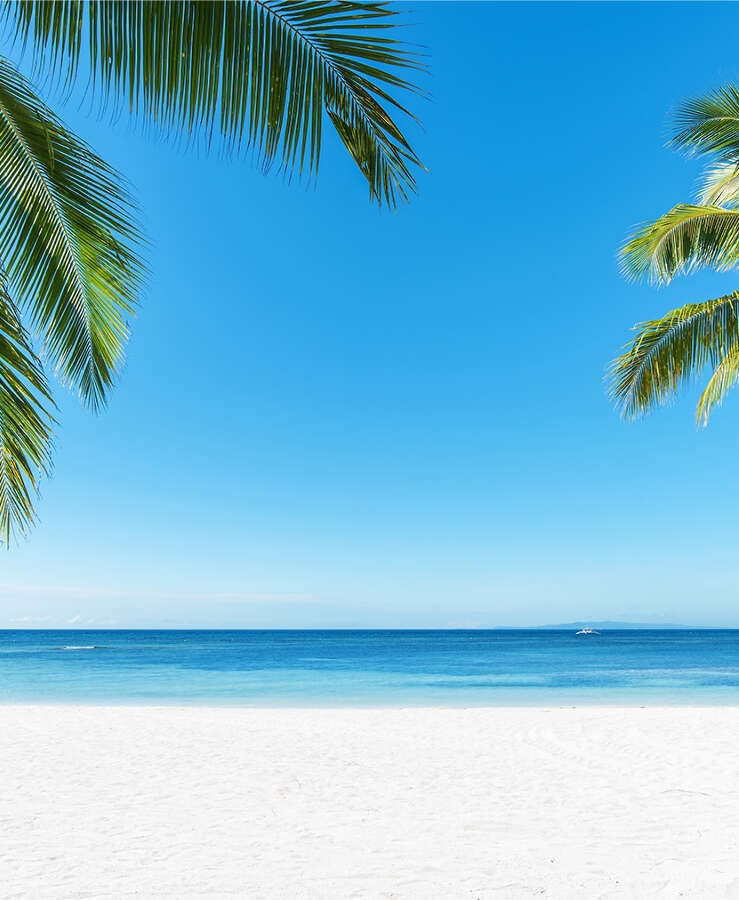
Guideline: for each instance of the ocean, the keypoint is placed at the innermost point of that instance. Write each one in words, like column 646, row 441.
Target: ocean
column 370, row 668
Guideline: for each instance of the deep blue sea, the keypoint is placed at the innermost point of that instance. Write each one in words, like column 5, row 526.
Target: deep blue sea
column 370, row 668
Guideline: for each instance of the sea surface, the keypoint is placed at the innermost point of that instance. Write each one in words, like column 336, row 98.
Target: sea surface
column 370, row 668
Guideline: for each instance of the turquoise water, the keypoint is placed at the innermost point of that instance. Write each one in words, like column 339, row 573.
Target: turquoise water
column 372, row 668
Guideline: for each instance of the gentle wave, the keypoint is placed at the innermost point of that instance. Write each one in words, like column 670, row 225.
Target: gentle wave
column 82, row 647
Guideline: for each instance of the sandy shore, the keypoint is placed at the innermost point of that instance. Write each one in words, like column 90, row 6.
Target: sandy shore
column 422, row 803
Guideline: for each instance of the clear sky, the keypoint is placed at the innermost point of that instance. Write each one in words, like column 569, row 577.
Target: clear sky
column 332, row 416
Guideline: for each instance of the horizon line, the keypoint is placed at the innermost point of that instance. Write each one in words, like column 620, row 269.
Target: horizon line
column 613, row 625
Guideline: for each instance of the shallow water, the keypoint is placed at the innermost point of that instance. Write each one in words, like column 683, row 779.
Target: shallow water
column 370, row 668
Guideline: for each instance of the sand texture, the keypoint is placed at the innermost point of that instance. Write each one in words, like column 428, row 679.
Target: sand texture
column 110, row 802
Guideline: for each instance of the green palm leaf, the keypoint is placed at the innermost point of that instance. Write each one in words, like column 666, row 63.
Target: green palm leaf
column 720, row 186
column 68, row 240
column 710, row 124
column 723, row 379
column 685, row 238
column 670, row 351
column 25, row 423
column 261, row 74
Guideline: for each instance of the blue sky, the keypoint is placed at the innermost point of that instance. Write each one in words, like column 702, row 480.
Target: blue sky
column 332, row 416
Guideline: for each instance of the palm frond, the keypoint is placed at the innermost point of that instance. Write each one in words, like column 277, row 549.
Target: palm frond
column 261, row 73
column 720, row 186
column 25, row 423
column 723, row 379
column 68, row 240
column 683, row 239
column 670, row 351
column 710, row 124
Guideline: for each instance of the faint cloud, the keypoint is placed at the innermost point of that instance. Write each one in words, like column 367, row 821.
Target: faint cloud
column 86, row 593
column 65, row 606
column 31, row 620
column 252, row 598
column 57, row 622
column 14, row 590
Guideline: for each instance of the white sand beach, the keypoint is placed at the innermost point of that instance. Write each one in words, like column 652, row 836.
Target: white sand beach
column 319, row 803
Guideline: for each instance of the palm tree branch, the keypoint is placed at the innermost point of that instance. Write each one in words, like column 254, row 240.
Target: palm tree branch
column 683, row 239
column 68, row 239
column 49, row 201
column 710, row 124
column 720, row 186
column 668, row 352
column 25, row 422
column 723, row 379
column 261, row 72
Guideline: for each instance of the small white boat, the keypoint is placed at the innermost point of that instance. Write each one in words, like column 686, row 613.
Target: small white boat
column 587, row 631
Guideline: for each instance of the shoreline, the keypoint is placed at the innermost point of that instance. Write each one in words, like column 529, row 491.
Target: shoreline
column 402, row 802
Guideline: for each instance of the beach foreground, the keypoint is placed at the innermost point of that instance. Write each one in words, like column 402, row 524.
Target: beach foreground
column 338, row 803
